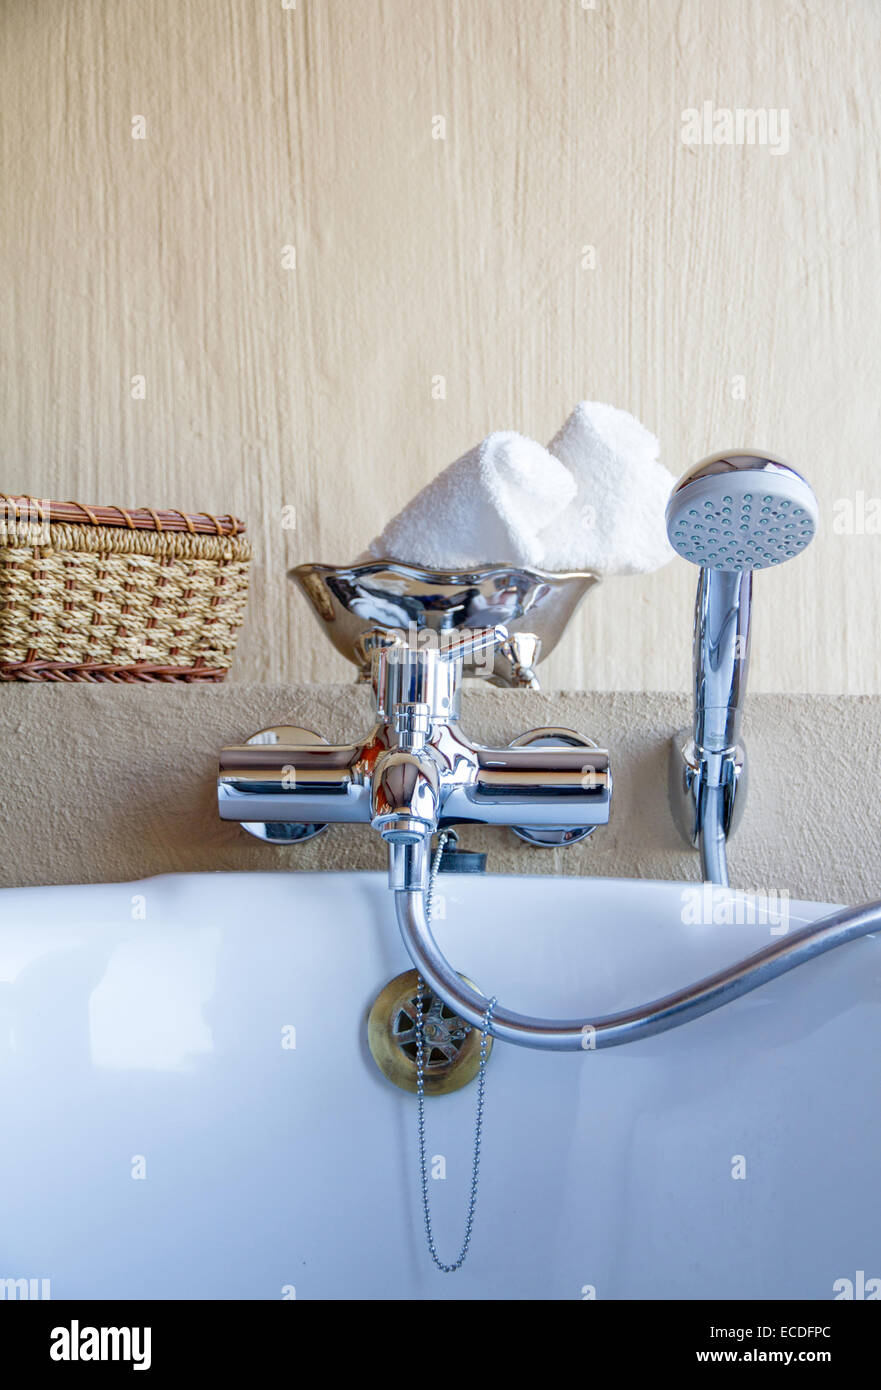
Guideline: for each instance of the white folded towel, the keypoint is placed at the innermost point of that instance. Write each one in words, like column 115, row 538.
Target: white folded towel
column 616, row 524
column 487, row 507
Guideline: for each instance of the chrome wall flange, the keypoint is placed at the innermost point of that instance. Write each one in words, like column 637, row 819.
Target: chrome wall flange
column 555, row 837
column 284, row 832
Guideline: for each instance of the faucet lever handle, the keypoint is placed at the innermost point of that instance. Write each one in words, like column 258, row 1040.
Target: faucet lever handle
column 472, row 642
column 429, row 672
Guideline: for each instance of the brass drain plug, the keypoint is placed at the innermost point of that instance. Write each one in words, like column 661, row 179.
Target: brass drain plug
column 451, row 1053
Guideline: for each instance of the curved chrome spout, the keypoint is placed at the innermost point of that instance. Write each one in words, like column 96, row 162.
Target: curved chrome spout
column 404, row 796
column 631, row 1025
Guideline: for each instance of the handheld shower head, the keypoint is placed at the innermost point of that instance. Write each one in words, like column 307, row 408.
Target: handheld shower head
column 741, row 511
column 731, row 514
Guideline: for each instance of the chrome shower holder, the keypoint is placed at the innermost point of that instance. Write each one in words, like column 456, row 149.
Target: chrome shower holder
column 731, row 514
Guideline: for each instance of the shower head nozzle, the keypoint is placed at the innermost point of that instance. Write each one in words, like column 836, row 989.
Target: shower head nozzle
column 741, row 511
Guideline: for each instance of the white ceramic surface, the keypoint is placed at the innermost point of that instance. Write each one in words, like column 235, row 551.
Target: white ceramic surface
column 142, row 1029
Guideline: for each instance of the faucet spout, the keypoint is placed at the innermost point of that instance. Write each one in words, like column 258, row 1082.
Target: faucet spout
column 404, row 796
column 408, row 864
column 405, row 787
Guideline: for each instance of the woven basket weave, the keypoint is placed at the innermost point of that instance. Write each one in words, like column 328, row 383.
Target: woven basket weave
column 103, row 594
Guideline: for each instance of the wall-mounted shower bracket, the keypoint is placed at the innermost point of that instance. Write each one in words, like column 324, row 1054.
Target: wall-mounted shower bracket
column 706, row 786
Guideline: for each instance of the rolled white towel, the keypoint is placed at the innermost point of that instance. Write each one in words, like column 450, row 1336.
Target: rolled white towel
column 486, row 508
column 616, row 524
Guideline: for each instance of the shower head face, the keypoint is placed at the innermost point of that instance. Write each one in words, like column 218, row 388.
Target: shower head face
column 741, row 511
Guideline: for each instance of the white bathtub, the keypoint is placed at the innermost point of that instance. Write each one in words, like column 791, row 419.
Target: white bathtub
column 159, row 1140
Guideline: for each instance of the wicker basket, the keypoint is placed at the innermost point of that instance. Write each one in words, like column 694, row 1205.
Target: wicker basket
column 103, row 594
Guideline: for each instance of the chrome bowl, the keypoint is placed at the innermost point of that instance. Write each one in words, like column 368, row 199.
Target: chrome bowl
column 382, row 603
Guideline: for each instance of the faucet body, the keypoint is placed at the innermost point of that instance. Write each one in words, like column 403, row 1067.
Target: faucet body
column 416, row 771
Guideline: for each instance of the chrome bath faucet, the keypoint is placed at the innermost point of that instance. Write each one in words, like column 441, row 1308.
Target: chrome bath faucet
column 416, row 771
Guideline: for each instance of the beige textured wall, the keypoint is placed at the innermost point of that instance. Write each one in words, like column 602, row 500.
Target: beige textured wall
column 311, row 126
